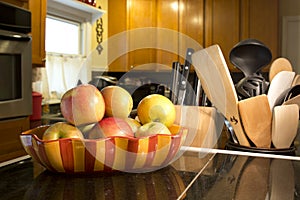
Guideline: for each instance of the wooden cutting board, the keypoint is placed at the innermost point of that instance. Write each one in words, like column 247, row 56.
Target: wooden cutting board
column 214, row 75
column 256, row 118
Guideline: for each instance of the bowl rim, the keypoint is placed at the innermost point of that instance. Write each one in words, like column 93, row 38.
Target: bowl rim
column 182, row 131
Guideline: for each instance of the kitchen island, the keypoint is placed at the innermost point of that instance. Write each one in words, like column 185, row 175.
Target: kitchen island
column 197, row 174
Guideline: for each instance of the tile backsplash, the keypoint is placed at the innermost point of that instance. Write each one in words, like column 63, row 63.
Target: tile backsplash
column 36, row 74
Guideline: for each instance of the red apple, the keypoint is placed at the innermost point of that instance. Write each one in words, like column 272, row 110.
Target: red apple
column 111, row 126
column 83, row 104
column 62, row 130
column 118, row 101
column 152, row 128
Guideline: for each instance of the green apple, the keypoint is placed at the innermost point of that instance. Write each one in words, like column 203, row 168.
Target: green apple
column 62, row 130
column 152, row 128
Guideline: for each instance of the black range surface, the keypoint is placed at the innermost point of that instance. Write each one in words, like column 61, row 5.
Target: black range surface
column 192, row 176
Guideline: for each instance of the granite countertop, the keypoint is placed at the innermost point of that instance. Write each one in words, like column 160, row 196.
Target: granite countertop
column 196, row 175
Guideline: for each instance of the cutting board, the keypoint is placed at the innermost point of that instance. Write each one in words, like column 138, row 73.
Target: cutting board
column 214, row 75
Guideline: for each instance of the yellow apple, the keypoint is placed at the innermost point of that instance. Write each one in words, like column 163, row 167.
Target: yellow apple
column 118, row 101
column 156, row 108
column 62, row 130
column 152, row 128
column 133, row 123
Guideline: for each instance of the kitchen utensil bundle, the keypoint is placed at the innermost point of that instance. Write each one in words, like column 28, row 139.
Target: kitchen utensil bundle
column 251, row 120
column 250, row 56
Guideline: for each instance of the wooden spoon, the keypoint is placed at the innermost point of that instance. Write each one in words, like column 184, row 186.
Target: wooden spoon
column 212, row 70
column 281, row 82
column 284, row 125
column 256, row 118
column 278, row 65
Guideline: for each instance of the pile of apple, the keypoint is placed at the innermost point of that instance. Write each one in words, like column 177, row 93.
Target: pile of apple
column 94, row 114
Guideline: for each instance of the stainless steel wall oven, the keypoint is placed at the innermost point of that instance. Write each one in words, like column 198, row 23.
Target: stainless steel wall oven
column 15, row 62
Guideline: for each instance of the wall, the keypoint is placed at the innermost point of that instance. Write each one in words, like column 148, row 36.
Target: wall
column 103, row 57
column 289, row 47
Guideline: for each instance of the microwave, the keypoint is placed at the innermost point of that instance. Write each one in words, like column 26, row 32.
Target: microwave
column 15, row 62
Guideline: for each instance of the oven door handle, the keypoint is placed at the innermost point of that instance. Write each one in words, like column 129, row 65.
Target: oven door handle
column 7, row 35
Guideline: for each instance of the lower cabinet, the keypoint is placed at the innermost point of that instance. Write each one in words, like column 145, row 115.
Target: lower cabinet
column 10, row 143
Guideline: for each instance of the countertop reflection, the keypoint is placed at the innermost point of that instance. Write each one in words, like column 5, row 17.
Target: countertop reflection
column 195, row 175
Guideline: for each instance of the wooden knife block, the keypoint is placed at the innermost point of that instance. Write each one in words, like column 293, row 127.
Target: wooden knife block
column 205, row 124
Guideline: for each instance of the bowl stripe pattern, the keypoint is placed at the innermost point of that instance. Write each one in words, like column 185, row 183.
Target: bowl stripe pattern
column 71, row 155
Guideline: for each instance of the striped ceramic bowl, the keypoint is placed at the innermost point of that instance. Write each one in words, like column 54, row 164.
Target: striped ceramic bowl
column 71, row 155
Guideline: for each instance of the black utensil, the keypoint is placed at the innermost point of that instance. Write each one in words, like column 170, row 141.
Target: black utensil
column 251, row 86
column 250, row 56
column 288, row 94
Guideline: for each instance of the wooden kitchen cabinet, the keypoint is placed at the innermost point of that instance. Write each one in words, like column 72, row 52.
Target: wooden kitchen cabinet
column 229, row 21
column 137, row 14
column 19, row 3
column 38, row 21
column 10, row 143
column 223, row 22
column 38, row 9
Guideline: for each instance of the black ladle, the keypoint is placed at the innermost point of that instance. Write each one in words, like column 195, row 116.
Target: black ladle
column 250, row 56
column 251, row 86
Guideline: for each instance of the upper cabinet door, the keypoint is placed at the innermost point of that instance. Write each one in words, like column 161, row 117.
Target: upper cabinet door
column 38, row 20
column 38, row 10
column 229, row 21
column 169, row 18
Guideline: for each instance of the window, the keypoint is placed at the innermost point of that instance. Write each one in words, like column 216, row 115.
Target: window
column 67, row 43
column 63, row 36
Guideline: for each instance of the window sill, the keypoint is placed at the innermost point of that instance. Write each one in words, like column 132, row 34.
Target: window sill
column 95, row 13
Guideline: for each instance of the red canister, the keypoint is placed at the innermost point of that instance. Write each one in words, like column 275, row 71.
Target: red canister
column 36, row 106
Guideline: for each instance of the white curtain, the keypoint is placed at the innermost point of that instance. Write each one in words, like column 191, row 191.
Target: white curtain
column 62, row 73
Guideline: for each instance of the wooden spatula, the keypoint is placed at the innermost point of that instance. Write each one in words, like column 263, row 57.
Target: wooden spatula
column 256, row 118
column 278, row 65
column 212, row 70
column 284, row 125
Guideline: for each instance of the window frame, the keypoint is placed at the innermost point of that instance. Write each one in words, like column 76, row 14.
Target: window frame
column 68, row 13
